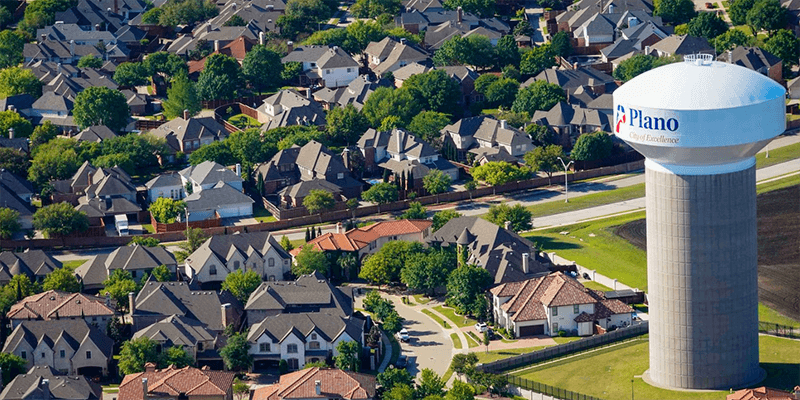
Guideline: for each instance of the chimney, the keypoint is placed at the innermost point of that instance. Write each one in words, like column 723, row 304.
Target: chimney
column 108, row 296
column 131, row 303
column 261, row 38
column 730, row 57
column 290, row 46
column 108, row 11
column 227, row 314
column 460, row 12
column 186, row 114
column 503, row 124
column 216, row 46
column 507, row 225
column 239, row 170
column 646, row 49
column 346, row 157
column 318, row 387
column 97, row 27
column 10, row 133
column 116, row 6
column 144, row 385
column 44, row 38
column 45, row 389
column 149, row 367
column 526, row 265
column 403, row 41
column 400, row 138
column 797, row 392
column 338, row 227
column 308, row 93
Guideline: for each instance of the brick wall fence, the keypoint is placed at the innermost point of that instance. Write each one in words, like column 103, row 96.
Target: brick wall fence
column 181, row 226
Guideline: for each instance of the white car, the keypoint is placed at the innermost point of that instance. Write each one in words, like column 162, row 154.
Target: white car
column 481, row 327
column 403, row 335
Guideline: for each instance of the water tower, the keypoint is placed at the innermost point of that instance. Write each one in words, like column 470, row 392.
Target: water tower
column 700, row 123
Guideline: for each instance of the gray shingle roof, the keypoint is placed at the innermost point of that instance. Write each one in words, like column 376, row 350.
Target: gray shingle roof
column 16, row 184
column 209, row 172
column 164, row 180
column 178, row 298
column 328, row 326
column 307, row 293
column 77, row 329
column 34, row 263
column 221, row 195
column 222, row 245
column 27, row 386
column 95, row 133
column 178, row 330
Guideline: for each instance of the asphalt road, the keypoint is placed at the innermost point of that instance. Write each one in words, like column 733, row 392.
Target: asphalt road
column 429, row 346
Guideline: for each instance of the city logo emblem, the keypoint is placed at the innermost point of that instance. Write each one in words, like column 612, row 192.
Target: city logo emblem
column 620, row 116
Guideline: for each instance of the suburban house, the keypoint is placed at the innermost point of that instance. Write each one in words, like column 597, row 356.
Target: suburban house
column 188, row 134
column 403, row 73
column 69, row 85
column 570, row 121
column 70, row 346
column 137, row 102
column 681, row 45
column 220, row 255
column 328, row 66
column 300, row 338
column 554, row 303
column 52, row 305
column 217, row 36
column 15, row 193
column 465, row 77
column 369, row 239
column 36, row 264
column 764, row 393
column 92, row 15
column 507, row 256
column 165, row 185
column 57, row 51
column 635, row 39
column 602, row 29
column 21, row 187
column 96, row 133
column 440, row 26
column 319, row 383
column 389, row 54
column 423, row 5
column 216, row 191
column 75, row 186
column 579, row 13
column 757, row 59
column 486, row 132
column 137, row 259
column 356, row 93
column 308, row 294
column 289, row 108
column 402, row 153
column 159, row 300
column 44, row 382
column 110, row 192
column 188, row 333
column 237, row 49
column 596, row 81
column 205, row 175
column 262, row 14
column 73, row 32
column 188, row 383
column 55, row 108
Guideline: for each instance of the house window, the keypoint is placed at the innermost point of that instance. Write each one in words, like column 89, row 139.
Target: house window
column 293, row 363
column 313, row 345
column 235, row 265
column 23, row 354
column 327, row 72
column 271, row 262
column 555, row 328
column 133, row 274
column 292, row 348
column 340, row 175
column 555, row 311
column 88, row 355
column 263, row 347
column 212, row 270
column 43, row 355
column 313, row 336
column 272, row 278
column 94, row 319
column 575, row 309
column 62, row 354
column 349, row 70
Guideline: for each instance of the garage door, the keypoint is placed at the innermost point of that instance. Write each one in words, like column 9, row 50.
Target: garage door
column 531, row 330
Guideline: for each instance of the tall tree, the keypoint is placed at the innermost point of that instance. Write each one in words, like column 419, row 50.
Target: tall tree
column 502, row 92
column 517, row 215
column 427, row 271
column 392, row 377
column 675, row 11
column 118, row 285
column 181, row 95
column 545, row 159
column 15, row 80
column 44, row 133
column 175, row 356
column 262, row 68
column 241, row 284
column 9, row 222
column 162, row 273
column 136, row 353
column 561, row 44
column 99, row 105
column 220, row 78
column 236, row 353
column 436, row 182
column 415, row 211
column 349, row 357
column 11, row 44
column 592, row 146
column 385, row 102
column 345, row 125
column 166, row 210
column 132, row 74
column 786, row 46
column 60, row 219
column 318, row 201
column 381, row 193
column 11, row 365
column 707, row 25
column 738, row 10
column 62, row 279
column 90, row 61
column 538, row 96
column 497, row 173
column 195, row 237
column 14, row 161
column 308, row 260
column 427, row 125
column 506, row 52
column 732, row 39
column 11, row 119
column 165, row 64
column 536, row 60
column 54, row 160
column 767, row 15
column 430, row 384
column 465, row 288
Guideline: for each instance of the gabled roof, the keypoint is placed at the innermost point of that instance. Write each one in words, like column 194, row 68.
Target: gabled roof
column 14, row 183
column 74, row 32
column 178, row 298
column 50, row 101
column 761, row 393
column 570, row 79
column 179, row 130
column 329, row 326
column 164, row 180
column 753, row 58
column 78, row 330
column 683, row 44
column 221, row 195
column 221, row 246
column 314, row 156
column 28, row 386
column 323, row 56
column 209, row 172
column 334, row 383
column 34, row 263
column 95, row 133
column 10, row 199
column 308, row 292
column 358, row 238
column 172, row 382
column 178, row 331
column 391, row 52
column 93, row 273
column 563, row 114
column 53, row 304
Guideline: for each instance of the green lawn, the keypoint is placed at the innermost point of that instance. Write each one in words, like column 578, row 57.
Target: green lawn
column 459, row 320
column 456, row 340
column 421, row 299
column 435, row 318
column 395, row 349
column 73, row 263
column 596, row 286
column 777, row 156
column 148, row 228
column 607, row 373
column 562, row 340
column 778, row 184
column 242, row 121
column 766, row 314
column 603, row 251
column 470, row 341
column 587, row 201
column 262, row 215
column 494, row 355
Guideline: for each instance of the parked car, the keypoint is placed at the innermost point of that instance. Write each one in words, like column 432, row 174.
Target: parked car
column 403, row 335
column 402, row 361
column 481, row 327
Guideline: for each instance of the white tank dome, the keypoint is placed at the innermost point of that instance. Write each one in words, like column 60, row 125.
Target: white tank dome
column 699, row 112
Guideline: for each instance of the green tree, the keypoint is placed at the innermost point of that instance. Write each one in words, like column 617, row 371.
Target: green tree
column 707, row 25
column 483, row 82
column 166, row 210
column 186, row 12
column 219, row 152
column 497, row 173
column 345, row 125
column 732, row 39
column 561, row 45
column 502, row 92
column 454, row 51
column 675, row 11
column 349, row 355
column 235, row 20
column 415, row 211
column 436, row 182
column 318, row 201
column 484, row 8
column 545, row 159
column 11, row 44
column 536, row 60
column 60, row 219
column 11, row 119
column 518, row 216
column 236, row 353
column 291, row 70
column 592, row 146
column 241, row 284
column 738, row 10
column 430, row 384
column 132, row 74
column 384, row 102
column 99, row 105
column 175, row 356
column 478, row 47
column 249, row 147
column 11, row 365
column 427, row 125
column 376, row 269
column 392, row 377
column 507, row 54
column 43, row 133
column 121, row 160
column 54, row 160
column 639, row 64
column 162, row 274
column 220, row 78
column 62, row 279
column 9, row 222
column 165, row 64
column 767, row 15
column 286, row 243
column 241, row 390
column 441, row 217
column 460, row 391
column 361, row 33
column 147, row 242
column 385, row 265
column 261, row 67
column 465, row 288
column 381, row 193
column 786, row 46
column 136, row 353
column 538, row 96
column 463, row 362
column 541, row 134
column 118, row 285
column 308, row 260
column 90, row 61
column 426, row 271
column 195, row 237
column 399, row 392
column 14, row 161
column 15, row 80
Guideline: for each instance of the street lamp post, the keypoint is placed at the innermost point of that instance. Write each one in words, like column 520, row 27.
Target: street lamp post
column 631, row 389
column 566, row 182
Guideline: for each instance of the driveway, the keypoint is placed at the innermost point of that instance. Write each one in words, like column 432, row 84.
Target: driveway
column 429, row 347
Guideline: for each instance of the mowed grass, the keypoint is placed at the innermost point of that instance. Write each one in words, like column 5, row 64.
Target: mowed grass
column 607, row 373
column 471, row 340
column 459, row 320
column 587, row 201
column 766, row 314
column 790, row 180
column 595, row 246
column 596, row 286
column 436, row 318
column 779, row 155
column 421, row 299
column 494, row 355
column 456, row 340
column 73, row 263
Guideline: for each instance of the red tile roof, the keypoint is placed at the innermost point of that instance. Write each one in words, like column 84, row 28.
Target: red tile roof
column 762, row 393
column 46, row 305
column 173, row 381
column 358, row 238
column 334, row 383
column 236, row 49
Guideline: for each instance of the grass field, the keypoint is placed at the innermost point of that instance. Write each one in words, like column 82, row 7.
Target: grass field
column 436, row 318
column 421, row 299
column 596, row 286
column 766, row 314
column 262, row 215
column 595, row 246
column 587, row 201
column 470, row 341
column 149, row 228
column 777, row 156
column 778, row 184
column 73, row 263
column 459, row 320
column 456, row 340
column 607, row 373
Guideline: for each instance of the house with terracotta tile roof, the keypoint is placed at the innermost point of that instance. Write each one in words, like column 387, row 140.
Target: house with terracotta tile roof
column 185, row 383
column 553, row 303
column 369, row 239
column 764, row 393
column 54, row 304
column 319, row 383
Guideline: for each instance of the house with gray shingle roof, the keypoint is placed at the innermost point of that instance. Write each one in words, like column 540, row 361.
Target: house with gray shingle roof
column 329, row 66
column 10, row 199
column 570, row 121
column 389, row 54
column 757, row 59
column 44, row 382
column 486, row 132
column 635, row 39
column 403, row 152
column 34, row 263
column 110, row 192
column 307, row 294
column 138, row 260
column 57, row 51
column 216, row 36
column 95, row 133
column 206, row 174
column 289, row 108
column 221, row 200
column 73, row 32
column 188, row 134
column 556, row 302
column 70, row 345
column 356, row 93
column 55, row 108
column 187, row 333
column 165, row 185
column 682, row 45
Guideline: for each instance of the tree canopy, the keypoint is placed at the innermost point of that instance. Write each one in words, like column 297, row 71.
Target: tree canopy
column 62, row 279
column 15, row 80
column 415, row 211
column 236, row 353
column 786, row 46
column 592, row 146
column 262, row 68
column 385, row 102
column 441, row 217
column 118, row 285
column 345, row 125
column 241, row 284
column 166, row 210
column 181, row 95
column 497, row 173
column 308, row 260
column 538, row 96
column 767, row 15
column 380, row 193
column 318, row 201
column 707, row 25
column 349, row 355
column 9, row 222
column 545, row 159
column 90, row 61
column 11, row 119
column 425, row 271
column 674, row 11
column 60, row 219
column 465, row 288
column 536, row 60
column 99, row 105
column 220, row 79
column 517, row 215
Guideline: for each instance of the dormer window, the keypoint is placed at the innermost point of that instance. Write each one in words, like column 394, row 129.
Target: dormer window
column 340, row 175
